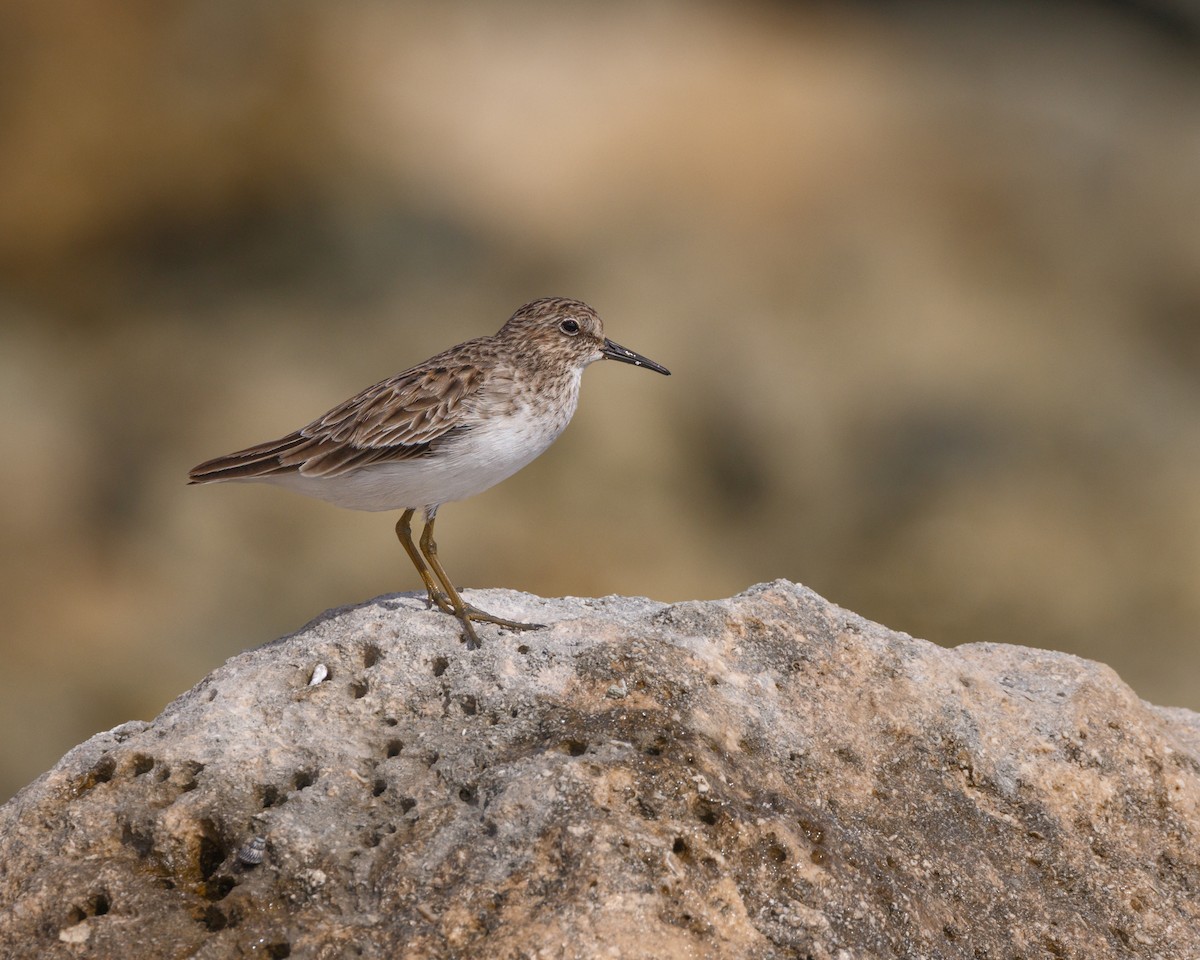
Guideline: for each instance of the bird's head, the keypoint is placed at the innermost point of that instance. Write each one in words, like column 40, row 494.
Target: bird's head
column 557, row 329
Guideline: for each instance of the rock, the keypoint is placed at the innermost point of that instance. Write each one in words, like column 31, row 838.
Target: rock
column 767, row 776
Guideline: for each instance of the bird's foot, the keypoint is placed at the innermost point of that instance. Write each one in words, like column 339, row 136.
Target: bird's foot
column 480, row 616
column 441, row 601
column 470, row 615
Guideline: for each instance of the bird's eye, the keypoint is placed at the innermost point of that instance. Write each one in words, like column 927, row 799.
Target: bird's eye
column 569, row 327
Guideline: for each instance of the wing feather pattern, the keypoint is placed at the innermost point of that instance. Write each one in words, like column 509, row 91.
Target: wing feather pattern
column 395, row 419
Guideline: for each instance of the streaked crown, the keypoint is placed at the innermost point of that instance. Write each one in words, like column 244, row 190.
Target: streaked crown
column 556, row 330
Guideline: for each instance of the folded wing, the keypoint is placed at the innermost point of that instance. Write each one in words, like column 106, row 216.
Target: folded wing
column 396, row 419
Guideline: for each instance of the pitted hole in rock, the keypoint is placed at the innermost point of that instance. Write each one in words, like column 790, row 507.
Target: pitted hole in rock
column 470, row 706
column 358, row 689
column 371, row 655
column 269, row 795
column 141, row 763
column 277, row 951
column 211, row 851
column 390, row 721
column 212, row 694
column 140, row 841
column 101, row 772
column 847, row 756
column 573, row 748
column 191, row 770
column 373, row 838
column 218, row 888
column 468, row 795
column 814, row 832
column 1054, row 947
column 378, row 787
column 776, row 853
column 406, row 804
column 163, row 773
column 213, row 919
column 523, row 648
column 681, row 850
column 394, row 747
column 707, row 813
column 439, row 666
column 303, row 779
column 97, row 905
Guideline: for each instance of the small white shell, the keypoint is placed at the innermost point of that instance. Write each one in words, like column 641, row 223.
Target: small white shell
column 320, row 672
column 253, row 851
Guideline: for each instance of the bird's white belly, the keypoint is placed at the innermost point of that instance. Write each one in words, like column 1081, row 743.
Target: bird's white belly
column 492, row 450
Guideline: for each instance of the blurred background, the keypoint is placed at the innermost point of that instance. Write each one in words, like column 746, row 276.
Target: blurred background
column 927, row 275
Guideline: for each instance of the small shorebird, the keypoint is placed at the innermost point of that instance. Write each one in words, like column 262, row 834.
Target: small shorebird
column 443, row 430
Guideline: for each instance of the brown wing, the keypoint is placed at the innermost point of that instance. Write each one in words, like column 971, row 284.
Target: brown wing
column 396, row 419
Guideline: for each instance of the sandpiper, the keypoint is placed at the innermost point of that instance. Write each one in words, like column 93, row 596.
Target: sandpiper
column 443, row 430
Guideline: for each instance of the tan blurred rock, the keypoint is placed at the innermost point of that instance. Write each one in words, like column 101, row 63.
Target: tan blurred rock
column 764, row 776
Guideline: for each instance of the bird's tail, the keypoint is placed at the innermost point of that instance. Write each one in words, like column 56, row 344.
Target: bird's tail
column 262, row 460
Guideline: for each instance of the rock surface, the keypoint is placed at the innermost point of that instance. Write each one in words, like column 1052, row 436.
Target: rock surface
column 765, row 776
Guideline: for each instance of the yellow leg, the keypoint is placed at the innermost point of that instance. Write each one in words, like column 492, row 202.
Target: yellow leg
column 404, row 535
column 464, row 611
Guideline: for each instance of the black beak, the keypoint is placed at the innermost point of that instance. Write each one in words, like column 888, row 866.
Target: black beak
column 614, row 351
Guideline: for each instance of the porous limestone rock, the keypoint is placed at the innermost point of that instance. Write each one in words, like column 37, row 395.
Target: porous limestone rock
column 768, row 776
